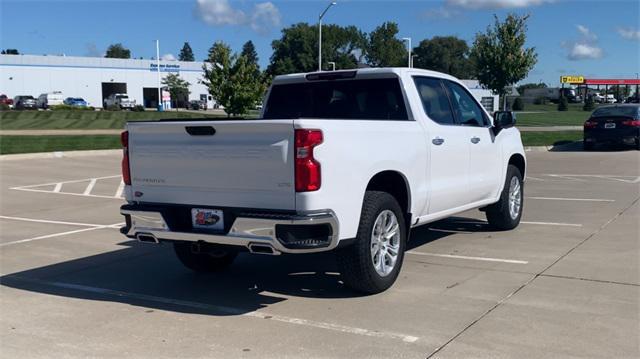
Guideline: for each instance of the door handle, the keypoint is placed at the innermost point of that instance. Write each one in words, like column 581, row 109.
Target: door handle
column 437, row 141
column 475, row 140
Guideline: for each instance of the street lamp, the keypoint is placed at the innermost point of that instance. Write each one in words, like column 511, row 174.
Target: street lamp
column 159, row 76
column 412, row 57
column 320, row 34
column 333, row 65
column 408, row 40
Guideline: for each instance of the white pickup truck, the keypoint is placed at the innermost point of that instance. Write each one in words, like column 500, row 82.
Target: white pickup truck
column 347, row 161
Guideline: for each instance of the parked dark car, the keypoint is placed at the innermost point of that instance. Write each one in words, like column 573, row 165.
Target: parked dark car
column 25, row 102
column 613, row 124
column 633, row 99
column 197, row 105
column 75, row 101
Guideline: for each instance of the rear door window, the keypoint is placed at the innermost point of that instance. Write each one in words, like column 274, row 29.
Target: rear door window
column 375, row 99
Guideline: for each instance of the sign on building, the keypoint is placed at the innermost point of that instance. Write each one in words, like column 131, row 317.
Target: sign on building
column 572, row 79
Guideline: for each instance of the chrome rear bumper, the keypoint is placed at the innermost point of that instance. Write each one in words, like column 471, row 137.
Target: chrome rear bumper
column 255, row 233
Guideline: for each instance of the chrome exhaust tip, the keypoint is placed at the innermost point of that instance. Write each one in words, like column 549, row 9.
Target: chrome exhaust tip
column 257, row 248
column 146, row 237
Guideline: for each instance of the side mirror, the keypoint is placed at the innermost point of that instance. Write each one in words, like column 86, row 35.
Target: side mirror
column 503, row 119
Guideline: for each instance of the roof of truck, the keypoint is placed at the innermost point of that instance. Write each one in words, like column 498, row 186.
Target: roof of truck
column 364, row 73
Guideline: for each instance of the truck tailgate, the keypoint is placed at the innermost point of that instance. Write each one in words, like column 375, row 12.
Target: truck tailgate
column 240, row 163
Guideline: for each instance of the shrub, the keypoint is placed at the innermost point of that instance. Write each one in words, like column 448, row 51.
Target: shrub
column 563, row 104
column 138, row 108
column 589, row 104
column 70, row 108
column 540, row 100
column 518, row 104
column 4, row 107
column 112, row 108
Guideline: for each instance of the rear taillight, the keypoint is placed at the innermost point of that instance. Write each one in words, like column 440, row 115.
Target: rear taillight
column 632, row 123
column 590, row 124
column 126, row 174
column 307, row 168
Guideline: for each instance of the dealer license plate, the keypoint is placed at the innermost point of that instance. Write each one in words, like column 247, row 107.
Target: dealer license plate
column 205, row 218
column 610, row 125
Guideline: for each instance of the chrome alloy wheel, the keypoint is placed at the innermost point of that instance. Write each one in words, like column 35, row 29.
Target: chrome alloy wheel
column 515, row 198
column 385, row 242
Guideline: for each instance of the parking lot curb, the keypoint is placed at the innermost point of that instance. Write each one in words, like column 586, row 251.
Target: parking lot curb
column 58, row 154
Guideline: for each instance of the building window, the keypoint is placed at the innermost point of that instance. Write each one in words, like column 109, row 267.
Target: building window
column 487, row 103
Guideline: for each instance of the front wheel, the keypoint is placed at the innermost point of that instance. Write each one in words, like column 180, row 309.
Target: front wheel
column 205, row 258
column 507, row 212
column 372, row 264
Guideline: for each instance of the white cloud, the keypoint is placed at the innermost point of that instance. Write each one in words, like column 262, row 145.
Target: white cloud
column 629, row 33
column 442, row 12
column 168, row 57
column 263, row 16
column 496, row 4
column 586, row 48
column 584, row 52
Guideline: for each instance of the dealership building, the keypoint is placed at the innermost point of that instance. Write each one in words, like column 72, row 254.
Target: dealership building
column 95, row 78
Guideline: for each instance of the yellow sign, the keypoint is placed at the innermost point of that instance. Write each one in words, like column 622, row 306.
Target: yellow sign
column 572, row 79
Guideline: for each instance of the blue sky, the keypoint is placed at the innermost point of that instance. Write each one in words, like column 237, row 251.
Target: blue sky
column 597, row 39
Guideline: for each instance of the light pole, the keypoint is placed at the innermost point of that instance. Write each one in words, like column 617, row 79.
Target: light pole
column 320, row 34
column 333, row 65
column 408, row 40
column 159, row 80
column 412, row 57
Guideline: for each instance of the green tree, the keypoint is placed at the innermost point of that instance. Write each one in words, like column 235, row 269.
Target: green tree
column 178, row 88
column 231, row 80
column 250, row 53
column 499, row 55
column 186, row 54
column 297, row 49
column 447, row 54
column 117, row 51
column 10, row 52
column 384, row 48
column 531, row 85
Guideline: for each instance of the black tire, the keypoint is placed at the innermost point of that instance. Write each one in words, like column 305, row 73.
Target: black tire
column 211, row 258
column 588, row 146
column 498, row 214
column 355, row 262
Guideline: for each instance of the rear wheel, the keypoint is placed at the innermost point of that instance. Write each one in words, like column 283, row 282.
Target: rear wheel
column 204, row 258
column 372, row 264
column 506, row 213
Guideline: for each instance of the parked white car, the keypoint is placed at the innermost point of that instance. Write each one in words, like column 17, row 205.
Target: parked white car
column 348, row 161
column 121, row 100
column 48, row 99
column 611, row 98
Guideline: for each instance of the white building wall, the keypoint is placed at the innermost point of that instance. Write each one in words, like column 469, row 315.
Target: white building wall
column 83, row 76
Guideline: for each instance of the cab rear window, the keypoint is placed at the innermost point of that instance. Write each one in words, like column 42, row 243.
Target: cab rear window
column 375, row 99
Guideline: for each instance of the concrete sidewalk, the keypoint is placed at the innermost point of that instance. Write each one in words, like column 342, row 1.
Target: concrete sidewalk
column 548, row 128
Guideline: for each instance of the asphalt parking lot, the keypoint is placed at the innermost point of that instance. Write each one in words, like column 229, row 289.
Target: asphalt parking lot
column 566, row 283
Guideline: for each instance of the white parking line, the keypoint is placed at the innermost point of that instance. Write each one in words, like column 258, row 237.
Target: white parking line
column 552, row 224
column 67, row 193
column 52, row 222
column 90, row 186
column 484, row 259
column 63, row 182
column 119, row 190
column 228, row 310
column 58, row 187
column 573, row 199
column 51, row 236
